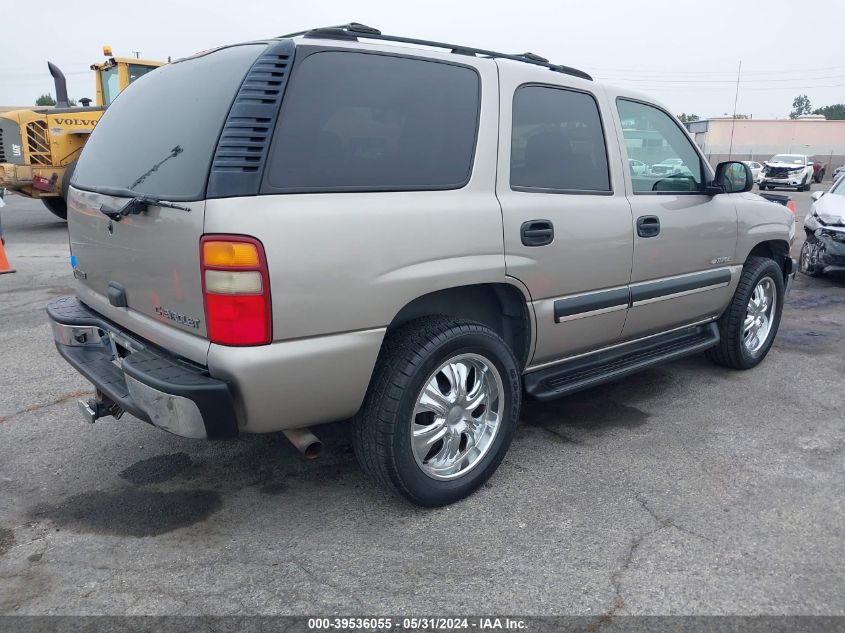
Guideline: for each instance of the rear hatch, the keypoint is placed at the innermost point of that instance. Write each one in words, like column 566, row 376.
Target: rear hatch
column 157, row 139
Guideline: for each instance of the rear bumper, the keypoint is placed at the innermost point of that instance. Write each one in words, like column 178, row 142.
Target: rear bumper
column 161, row 389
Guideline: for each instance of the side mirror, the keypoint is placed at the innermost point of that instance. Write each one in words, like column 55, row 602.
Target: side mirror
column 733, row 177
column 816, row 195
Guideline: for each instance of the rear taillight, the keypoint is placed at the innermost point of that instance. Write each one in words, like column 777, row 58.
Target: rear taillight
column 236, row 288
column 791, row 206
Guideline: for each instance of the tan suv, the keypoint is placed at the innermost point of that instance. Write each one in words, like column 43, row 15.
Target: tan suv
column 343, row 224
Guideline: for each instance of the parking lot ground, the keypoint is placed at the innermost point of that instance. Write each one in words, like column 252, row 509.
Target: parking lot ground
column 687, row 489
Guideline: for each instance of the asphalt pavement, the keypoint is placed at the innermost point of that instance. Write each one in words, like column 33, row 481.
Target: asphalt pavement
column 687, row 489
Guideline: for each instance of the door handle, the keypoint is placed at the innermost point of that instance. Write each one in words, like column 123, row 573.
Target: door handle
column 537, row 232
column 648, row 226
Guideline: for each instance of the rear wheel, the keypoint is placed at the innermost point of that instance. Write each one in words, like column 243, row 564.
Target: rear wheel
column 56, row 206
column 748, row 327
column 66, row 180
column 440, row 411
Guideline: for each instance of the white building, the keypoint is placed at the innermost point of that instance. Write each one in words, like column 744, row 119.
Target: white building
column 759, row 139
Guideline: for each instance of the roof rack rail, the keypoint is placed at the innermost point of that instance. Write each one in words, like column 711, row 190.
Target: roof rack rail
column 354, row 30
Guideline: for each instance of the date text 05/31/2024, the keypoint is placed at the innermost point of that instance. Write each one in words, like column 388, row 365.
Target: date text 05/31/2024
column 415, row 624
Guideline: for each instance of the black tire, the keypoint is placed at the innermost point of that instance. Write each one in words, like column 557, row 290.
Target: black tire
column 807, row 261
column 382, row 427
column 66, row 181
column 762, row 187
column 731, row 350
column 56, row 206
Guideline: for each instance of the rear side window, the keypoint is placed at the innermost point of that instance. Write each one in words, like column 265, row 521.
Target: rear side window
column 557, row 141
column 368, row 122
column 159, row 135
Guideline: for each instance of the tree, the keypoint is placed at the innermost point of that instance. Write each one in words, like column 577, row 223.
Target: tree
column 835, row 112
column 800, row 107
column 683, row 117
column 47, row 100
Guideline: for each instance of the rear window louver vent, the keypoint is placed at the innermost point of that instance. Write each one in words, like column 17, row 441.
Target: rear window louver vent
column 242, row 149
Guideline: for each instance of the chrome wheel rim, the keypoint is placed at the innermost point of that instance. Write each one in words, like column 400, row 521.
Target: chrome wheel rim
column 809, row 256
column 805, row 257
column 457, row 416
column 759, row 315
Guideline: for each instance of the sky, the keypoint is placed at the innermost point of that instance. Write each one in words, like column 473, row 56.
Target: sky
column 685, row 54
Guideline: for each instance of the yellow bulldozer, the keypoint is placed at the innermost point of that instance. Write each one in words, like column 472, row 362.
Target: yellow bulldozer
column 39, row 147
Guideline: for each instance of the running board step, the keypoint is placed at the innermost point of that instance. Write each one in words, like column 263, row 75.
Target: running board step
column 582, row 373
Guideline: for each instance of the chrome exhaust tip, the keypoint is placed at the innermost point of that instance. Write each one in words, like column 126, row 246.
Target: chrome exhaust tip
column 305, row 442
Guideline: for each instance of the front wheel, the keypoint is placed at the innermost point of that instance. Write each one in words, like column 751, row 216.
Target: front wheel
column 440, row 411
column 748, row 327
column 809, row 261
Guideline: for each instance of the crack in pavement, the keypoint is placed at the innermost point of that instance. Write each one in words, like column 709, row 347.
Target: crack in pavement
column 669, row 522
column 662, row 523
column 299, row 565
column 38, row 407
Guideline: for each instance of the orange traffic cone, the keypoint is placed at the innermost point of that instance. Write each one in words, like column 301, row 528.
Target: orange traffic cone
column 4, row 261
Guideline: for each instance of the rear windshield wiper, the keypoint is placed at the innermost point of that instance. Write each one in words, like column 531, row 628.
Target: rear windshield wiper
column 137, row 203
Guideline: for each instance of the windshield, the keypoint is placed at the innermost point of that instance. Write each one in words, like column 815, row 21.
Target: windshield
column 838, row 189
column 110, row 85
column 159, row 136
column 793, row 159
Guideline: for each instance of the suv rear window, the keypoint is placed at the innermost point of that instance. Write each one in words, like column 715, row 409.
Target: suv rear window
column 370, row 122
column 159, row 135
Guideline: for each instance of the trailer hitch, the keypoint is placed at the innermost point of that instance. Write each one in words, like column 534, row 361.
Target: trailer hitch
column 100, row 406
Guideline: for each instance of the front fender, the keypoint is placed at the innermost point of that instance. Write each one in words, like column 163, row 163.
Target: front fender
column 762, row 221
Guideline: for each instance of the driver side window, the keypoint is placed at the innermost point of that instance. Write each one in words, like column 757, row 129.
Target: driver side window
column 671, row 164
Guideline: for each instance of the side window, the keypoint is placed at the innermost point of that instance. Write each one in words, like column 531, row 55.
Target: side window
column 557, row 141
column 652, row 137
column 369, row 122
column 137, row 70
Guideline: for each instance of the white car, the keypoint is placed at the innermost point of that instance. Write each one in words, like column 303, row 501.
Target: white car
column 787, row 170
column 756, row 169
column 638, row 168
column 670, row 167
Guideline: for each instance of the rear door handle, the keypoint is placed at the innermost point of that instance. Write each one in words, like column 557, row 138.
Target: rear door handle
column 648, row 226
column 537, row 232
